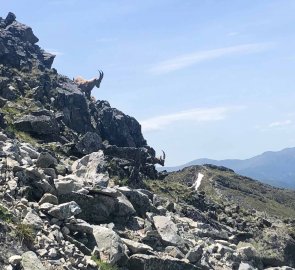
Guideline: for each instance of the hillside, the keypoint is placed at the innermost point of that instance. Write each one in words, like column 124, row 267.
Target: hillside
column 274, row 168
column 79, row 189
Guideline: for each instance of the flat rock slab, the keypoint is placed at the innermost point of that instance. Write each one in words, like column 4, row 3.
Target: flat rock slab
column 167, row 230
column 150, row 262
column 136, row 247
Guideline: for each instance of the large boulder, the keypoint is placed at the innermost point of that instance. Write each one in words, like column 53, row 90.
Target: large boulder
column 41, row 123
column 110, row 245
column 168, row 231
column 92, row 169
column 139, row 200
column 101, row 206
column 65, row 210
column 72, row 104
column 32, row 219
column 30, row 261
column 90, row 142
column 36, row 181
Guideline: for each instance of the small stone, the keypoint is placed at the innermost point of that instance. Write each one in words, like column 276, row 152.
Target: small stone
column 48, row 198
column 42, row 252
column 24, row 201
column 52, row 253
column 65, row 230
column 15, row 260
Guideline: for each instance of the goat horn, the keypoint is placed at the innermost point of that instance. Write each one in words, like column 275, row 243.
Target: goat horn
column 164, row 155
column 100, row 75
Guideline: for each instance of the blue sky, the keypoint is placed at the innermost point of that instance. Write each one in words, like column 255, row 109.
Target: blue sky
column 210, row 78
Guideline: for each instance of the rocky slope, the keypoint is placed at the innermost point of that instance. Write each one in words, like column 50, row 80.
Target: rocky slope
column 79, row 189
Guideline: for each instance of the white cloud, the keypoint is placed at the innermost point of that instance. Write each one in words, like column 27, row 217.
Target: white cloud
column 194, row 115
column 184, row 61
column 280, row 123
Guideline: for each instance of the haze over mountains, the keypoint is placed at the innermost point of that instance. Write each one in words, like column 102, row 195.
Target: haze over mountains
column 275, row 168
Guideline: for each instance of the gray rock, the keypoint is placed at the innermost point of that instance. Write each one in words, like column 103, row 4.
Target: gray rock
column 68, row 184
column 30, row 150
column 110, row 245
column 37, row 124
column 80, row 226
column 101, row 208
column 33, row 220
column 15, row 260
column 45, row 160
column 119, row 129
column 246, row 266
column 167, row 230
column 30, row 261
column 150, row 262
column 65, row 210
column 280, row 268
column 247, row 253
column 48, row 198
column 92, row 168
column 275, row 247
column 174, row 252
column 139, row 200
column 90, row 142
column 136, row 247
column 195, row 254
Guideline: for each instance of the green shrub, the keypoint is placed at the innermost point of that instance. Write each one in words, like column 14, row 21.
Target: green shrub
column 25, row 233
column 104, row 265
column 5, row 215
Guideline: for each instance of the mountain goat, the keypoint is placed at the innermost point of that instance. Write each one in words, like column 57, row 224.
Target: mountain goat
column 87, row 85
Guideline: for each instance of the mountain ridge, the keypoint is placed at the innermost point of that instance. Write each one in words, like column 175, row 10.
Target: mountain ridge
column 271, row 167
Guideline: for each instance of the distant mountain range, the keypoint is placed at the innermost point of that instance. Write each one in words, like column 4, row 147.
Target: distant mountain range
column 274, row 168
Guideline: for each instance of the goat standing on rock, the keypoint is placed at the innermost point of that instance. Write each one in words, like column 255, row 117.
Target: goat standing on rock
column 87, row 85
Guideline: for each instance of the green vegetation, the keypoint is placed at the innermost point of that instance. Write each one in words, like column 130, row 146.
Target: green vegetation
column 173, row 190
column 21, row 135
column 120, row 182
column 104, row 265
column 5, row 215
column 224, row 187
column 25, row 233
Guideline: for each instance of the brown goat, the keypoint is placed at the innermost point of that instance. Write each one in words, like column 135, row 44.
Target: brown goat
column 87, row 85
